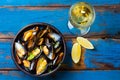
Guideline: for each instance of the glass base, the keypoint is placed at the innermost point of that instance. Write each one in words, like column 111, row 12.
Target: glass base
column 78, row 31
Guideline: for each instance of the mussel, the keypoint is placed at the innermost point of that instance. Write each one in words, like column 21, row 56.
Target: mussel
column 41, row 65
column 42, row 32
column 40, row 41
column 34, row 53
column 58, row 59
column 32, row 65
column 27, row 35
column 49, row 52
column 26, row 63
column 20, row 50
column 30, row 34
column 18, row 59
column 31, row 43
column 55, row 37
column 57, row 44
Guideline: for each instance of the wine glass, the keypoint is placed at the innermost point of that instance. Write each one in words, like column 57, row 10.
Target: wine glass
column 81, row 16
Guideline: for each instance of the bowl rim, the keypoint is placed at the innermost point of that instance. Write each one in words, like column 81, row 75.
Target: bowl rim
column 27, row 26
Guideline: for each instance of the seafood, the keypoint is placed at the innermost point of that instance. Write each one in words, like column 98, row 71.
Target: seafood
column 26, row 63
column 55, row 37
column 40, row 50
column 20, row 50
column 18, row 59
column 49, row 52
column 27, row 35
column 41, row 65
column 58, row 58
column 34, row 53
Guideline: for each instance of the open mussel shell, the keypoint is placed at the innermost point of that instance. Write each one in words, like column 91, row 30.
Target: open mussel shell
column 40, row 31
column 41, row 65
column 20, row 50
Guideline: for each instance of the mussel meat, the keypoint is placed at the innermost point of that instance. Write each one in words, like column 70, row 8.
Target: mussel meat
column 40, row 42
column 26, row 63
column 31, row 43
column 34, row 53
column 42, row 33
column 20, row 50
column 49, row 52
column 41, row 65
column 45, row 50
column 28, row 34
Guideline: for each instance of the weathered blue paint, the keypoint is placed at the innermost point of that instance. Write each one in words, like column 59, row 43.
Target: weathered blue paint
column 13, row 19
column 54, row 2
column 65, row 75
column 105, row 52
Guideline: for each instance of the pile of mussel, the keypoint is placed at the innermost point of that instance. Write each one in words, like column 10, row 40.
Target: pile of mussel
column 39, row 50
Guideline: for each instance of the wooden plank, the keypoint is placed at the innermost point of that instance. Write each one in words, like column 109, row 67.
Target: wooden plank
column 53, row 2
column 105, row 56
column 14, row 18
column 64, row 75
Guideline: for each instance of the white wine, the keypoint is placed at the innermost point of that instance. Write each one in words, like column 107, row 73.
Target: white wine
column 82, row 15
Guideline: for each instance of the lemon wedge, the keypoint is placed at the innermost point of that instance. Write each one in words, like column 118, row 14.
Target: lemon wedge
column 85, row 43
column 76, row 52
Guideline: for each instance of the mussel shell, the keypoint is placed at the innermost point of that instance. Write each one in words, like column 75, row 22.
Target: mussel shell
column 32, row 65
column 58, row 59
column 54, row 36
column 57, row 44
column 41, row 65
column 18, row 59
column 51, row 54
column 20, row 50
column 34, row 54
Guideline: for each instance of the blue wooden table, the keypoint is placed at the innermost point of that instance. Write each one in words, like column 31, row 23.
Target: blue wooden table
column 102, row 63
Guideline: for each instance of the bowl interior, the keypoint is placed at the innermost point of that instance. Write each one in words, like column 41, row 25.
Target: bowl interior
column 31, row 26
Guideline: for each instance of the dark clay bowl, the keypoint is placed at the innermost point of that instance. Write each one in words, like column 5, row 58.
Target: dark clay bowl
column 18, row 36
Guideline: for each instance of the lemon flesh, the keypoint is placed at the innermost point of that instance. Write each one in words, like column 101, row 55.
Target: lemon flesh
column 76, row 52
column 85, row 43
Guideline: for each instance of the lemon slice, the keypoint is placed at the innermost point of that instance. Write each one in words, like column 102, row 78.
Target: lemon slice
column 76, row 52
column 85, row 43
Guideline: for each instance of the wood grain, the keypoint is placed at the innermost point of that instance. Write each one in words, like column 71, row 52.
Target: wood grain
column 106, row 22
column 105, row 56
column 64, row 75
column 54, row 2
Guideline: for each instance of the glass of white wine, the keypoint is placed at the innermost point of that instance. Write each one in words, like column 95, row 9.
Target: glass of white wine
column 81, row 16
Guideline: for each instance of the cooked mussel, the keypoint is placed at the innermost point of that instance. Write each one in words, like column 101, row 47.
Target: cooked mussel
column 42, row 32
column 30, row 34
column 34, row 53
column 57, row 44
column 18, row 59
column 20, row 50
column 55, row 37
column 26, row 63
column 41, row 65
column 32, row 65
column 31, row 43
column 58, row 59
column 49, row 52
column 40, row 41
